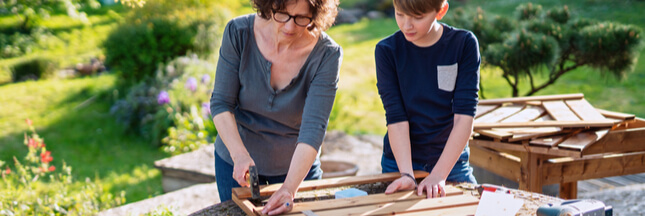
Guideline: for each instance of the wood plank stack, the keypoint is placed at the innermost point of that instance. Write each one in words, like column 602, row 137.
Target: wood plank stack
column 456, row 201
column 557, row 122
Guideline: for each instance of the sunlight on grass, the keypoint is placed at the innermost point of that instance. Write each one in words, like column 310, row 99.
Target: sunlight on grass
column 141, row 183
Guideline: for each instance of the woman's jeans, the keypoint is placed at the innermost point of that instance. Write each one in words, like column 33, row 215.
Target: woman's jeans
column 461, row 172
column 225, row 181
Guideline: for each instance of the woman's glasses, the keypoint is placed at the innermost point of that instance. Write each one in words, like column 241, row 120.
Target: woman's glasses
column 282, row 17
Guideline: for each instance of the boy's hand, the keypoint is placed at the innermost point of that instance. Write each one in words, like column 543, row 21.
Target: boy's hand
column 435, row 187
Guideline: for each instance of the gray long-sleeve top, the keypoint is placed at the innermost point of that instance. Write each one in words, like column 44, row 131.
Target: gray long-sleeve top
column 272, row 122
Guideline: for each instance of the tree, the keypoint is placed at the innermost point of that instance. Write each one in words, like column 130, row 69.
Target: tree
column 30, row 11
column 537, row 42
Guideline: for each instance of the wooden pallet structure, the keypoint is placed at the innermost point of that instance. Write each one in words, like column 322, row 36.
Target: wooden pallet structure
column 555, row 139
column 456, row 201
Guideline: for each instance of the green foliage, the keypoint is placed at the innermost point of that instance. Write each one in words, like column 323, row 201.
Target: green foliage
column 36, row 188
column 160, row 31
column 32, row 12
column 32, row 69
column 550, row 41
column 192, row 130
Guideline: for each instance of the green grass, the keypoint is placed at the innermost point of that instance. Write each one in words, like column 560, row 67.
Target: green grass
column 73, row 117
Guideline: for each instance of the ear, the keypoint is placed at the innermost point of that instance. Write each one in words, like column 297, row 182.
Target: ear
column 442, row 11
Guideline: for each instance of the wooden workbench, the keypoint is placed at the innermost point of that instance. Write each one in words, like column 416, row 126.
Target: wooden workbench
column 559, row 139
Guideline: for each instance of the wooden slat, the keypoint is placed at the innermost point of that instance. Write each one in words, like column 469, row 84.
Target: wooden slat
column 569, row 190
column 365, row 200
column 469, row 210
column 389, row 208
column 499, row 114
column 499, row 163
column 616, row 115
column 571, row 124
column 584, row 110
column 245, row 205
column 529, row 113
column 483, row 109
column 560, row 111
column 629, row 140
column 532, row 98
column 581, row 140
column 495, row 134
column 520, row 148
column 548, row 141
column 559, row 171
column 267, row 190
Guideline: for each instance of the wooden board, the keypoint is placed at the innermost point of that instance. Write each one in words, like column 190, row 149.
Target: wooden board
column 406, row 206
column 581, row 140
column 499, row 114
column 483, row 109
column 616, row 115
column 560, row 111
column 531, row 98
column 549, row 141
column 529, row 113
column 589, row 168
column 584, row 110
column 570, row 124
column 267, row 190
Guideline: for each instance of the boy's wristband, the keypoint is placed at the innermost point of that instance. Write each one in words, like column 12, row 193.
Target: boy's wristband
column 411, row 177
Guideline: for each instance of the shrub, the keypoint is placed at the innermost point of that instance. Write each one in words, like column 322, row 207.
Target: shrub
column 32, row 69
column 192, row 130
column 35, row 187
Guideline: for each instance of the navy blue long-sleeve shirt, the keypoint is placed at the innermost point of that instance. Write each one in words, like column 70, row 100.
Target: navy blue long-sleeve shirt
column 427, row 86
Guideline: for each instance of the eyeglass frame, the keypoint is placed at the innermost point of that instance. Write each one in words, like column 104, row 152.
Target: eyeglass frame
column 311, row 19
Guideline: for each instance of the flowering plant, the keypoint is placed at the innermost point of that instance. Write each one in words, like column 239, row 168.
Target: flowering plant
column 37, row 188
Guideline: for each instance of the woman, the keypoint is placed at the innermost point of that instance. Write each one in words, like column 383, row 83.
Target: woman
column 275, row 86
column 428, row 78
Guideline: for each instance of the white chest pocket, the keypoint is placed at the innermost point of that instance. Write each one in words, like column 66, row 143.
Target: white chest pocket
column 447, row 76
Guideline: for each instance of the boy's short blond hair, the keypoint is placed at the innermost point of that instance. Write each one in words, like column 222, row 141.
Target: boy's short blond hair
column 418, row 7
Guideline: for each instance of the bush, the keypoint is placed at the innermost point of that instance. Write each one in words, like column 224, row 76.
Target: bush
column 159, row 32
column 32, row 69
column 35, row 187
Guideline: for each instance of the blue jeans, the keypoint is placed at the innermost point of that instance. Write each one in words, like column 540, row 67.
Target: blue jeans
column 461, row 172
column 225, row 181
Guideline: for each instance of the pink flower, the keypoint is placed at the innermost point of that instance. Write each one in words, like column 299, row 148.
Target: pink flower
column 191, row 84
column 163, row 98
column 32, row 143
column 29, row 122
column 7, row 171
column 52, row 168
column 46, row 157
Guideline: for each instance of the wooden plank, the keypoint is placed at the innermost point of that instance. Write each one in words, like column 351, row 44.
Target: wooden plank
column 548, row 141
column 584, row 110
column 468, row 210
column 582, row 140
column 531, row 98
column 245, row 205
column 365, row 200
column 616, row 115
column 267, row 190
column 571, row 124
column 628, row 140
column 495, row 134
column 499, row 163
column 529, row 113
column 483, row 109
column 499, row 114
column 560, row 111
column 569, row 190
column 421, row 205
column 560, row 171
column 522, row 137
column 628, row 124
column 520, row 148
column 531, row 172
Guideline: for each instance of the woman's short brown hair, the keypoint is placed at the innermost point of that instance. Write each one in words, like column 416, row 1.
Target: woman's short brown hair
column 323, row 11
column 418, row 7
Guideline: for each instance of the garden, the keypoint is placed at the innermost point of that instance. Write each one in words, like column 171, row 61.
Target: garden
column 93, row 92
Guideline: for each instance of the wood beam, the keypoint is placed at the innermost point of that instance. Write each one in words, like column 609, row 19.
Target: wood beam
column 532, row 98
column 617, row 141
column 597, row 123
column 496, row 162
column 570, row 170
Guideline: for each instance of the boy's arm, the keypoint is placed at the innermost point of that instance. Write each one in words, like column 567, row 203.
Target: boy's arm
column 399, row 135
column 435, row 182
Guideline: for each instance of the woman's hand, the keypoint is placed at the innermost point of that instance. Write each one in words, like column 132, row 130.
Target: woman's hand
column 434, row 186
column 240, row 168
column 280, row 202
column 400, row 184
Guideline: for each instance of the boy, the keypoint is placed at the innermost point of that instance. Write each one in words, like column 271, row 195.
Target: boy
column 428, row 79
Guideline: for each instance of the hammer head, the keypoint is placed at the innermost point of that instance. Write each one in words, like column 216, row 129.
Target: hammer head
column 254, row 181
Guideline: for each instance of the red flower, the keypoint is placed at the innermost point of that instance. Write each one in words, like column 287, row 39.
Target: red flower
column 32, row 143
column 46, row 157
column 29, row 122
column 52, row 168
column 8, row 171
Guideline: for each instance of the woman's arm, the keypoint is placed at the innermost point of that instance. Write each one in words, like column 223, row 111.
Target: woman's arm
column 435, row 182
column 227, row 130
